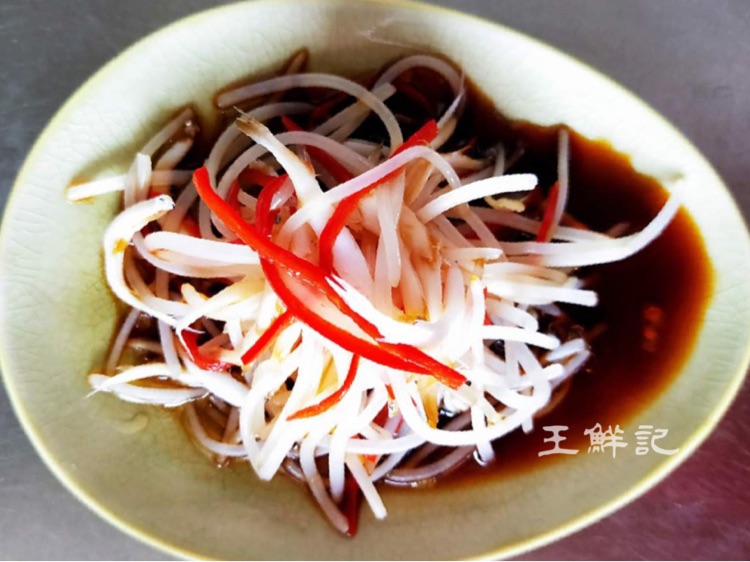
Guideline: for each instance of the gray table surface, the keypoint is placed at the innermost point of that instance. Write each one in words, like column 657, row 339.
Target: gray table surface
column 688, row 58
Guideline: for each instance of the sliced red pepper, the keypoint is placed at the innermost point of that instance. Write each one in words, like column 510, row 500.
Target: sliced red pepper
column 250, row 177
column 233, row 194
column 445, row 374
column 203, row 361
column 190, row 227
column 424, row 136
column 389, row 390
column 336, row 224
column 326, row 108
column 264, row 217
column 333, row 399
column 277, row 326
column 416, row 96
column 339, row 172
column 354, row 344
column 156, row 191
column 250, row 236
column 297, row 308
column 370, row 459
column 382, row 416
column 416, row 360
column 545, row 229
column 396, row 356
column 351, row 503
column 305, row 271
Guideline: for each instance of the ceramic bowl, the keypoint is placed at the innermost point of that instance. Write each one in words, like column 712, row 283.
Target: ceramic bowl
column 135, row 467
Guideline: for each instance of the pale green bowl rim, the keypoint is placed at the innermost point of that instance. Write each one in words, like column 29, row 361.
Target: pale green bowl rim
column 507, row 550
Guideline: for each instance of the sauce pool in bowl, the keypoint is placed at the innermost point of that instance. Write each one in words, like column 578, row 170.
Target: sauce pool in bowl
column 79, row 438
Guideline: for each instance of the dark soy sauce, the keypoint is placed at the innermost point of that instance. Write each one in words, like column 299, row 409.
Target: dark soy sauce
column 651, row 305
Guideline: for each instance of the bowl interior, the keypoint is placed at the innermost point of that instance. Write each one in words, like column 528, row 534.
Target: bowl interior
column 134, row 465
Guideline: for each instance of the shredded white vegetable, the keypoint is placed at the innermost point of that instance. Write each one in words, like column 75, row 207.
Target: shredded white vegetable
column 424, row 314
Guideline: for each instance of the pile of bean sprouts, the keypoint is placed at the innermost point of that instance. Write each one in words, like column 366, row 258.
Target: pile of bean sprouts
column 417, row 259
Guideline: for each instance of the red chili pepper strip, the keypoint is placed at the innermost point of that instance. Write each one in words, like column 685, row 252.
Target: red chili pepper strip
column 339, row 172
column 156, row 191
column 448, row 376
column 336, row 224
column 233, row 194
column 264, row 217
column 351, row 503
column 264, row 224
column 371, row 350
column 250, row 177
column 277, row 326
column 305, row 271
column 545, row 229
column 367, row 349
column 382, row 416
column 416, row 96
column 190, row 227
column 372, row 459
column 333, row 399
column 424, row 136
column 326, row 108
column 389, row 390
column 204, row 362
column 265, row 248
column 408, row 358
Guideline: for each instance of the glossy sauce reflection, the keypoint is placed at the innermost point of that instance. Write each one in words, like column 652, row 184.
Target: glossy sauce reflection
column 651, row 304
